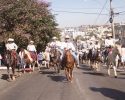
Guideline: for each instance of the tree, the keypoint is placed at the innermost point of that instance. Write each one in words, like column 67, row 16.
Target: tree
column 26, row 20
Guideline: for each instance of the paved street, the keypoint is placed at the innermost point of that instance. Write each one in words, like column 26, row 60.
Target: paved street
column 87, row 85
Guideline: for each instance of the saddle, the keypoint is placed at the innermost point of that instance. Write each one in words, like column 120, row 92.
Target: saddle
column 31, row 55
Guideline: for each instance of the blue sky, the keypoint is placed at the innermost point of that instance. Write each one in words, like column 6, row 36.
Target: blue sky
column 65, row 19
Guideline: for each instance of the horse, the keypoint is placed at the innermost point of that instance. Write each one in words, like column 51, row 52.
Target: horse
column 46, row 57
column 95, row 59
column 55, row 54
column 113, row 57
column 10, row 60
column 68, row 63
column 28, row 60
column 84, row 58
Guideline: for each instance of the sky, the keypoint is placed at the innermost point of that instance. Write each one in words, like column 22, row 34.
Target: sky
column 73, row 13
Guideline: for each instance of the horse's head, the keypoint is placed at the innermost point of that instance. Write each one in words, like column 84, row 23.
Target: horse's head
column 117, row 50
column 67, row 55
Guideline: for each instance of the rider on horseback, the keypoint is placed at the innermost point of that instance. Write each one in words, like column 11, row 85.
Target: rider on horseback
column 67, row 45
column 56, row 44
column 32, row 49
column 11, row 46
column 109, row 42
column 96, row 47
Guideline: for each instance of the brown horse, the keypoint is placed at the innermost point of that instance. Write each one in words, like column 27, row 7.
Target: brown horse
column 68, row 63
column 95, row 59
column 28, row 61
column 10, row 59
column 55, row 54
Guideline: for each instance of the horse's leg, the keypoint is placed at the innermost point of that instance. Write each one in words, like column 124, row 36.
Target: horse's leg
column 9, row 78
column 48, row 65
column 33, row 66
column 67, row 74
column 55, row 67
column 24, row 69
column 58, row 68
column 19, row 74
column 13, row 75
column 108, row 66
column 114, row 67
column 30, row 68
column 44, row 63
column 71, row 74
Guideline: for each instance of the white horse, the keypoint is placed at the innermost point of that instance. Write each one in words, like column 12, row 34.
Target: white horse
column 113, row 57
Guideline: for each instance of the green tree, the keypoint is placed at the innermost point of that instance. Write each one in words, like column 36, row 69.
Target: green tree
column 26, row 20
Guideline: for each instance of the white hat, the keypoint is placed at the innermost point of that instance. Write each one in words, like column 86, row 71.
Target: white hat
column 109, row 34
column 31, row 41
column 67, row 37
column 54, row 37
column 10, row 39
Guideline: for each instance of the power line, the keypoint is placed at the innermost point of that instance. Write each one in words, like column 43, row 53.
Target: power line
column 102, row 5
column 78, row 12
column 89, row 8
column 100, row 12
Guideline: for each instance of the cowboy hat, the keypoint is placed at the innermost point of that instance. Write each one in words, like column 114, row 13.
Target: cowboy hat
column 67, row 37
column 10, row 39
column 54, row 37
column 31, row 41
column 109, row 35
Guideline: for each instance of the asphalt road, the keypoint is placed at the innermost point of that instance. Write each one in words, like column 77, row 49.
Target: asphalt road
column 87, row 85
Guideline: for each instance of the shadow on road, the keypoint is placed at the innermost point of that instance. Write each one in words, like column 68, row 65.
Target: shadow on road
column 57, row 78
column 47, row 72
column 97, row 74
column 111, row 93
column 4, row 76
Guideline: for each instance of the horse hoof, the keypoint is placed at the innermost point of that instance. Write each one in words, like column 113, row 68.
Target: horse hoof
column 19, row 75
column 9, row 80
column 71, row 81
column 115, row 76
column 13, row 78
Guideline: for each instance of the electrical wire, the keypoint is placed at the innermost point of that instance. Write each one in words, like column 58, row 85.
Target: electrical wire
column 100, row 12
column 102, row 5
column 78, row 12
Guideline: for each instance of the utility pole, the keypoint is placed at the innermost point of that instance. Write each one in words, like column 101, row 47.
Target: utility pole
column 112, row 19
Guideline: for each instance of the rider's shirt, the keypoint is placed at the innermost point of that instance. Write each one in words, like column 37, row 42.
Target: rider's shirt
column 67, row 46
column 109, row 42
column 47, row 49
column 97, row 46
column 90, row 46
column 56, row 44
column 31, row 48
column 11, row 46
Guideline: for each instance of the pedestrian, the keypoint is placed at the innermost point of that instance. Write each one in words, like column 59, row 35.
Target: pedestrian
column 122, row 56
column 0, row 59
column 21, row 55
column 40, row 59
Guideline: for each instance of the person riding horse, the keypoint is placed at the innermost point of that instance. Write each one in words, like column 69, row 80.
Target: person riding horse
column 32, row 49
column 109, row 42
column 67, row 45
column 96, row 48
column 12, row 47
column 55, row 44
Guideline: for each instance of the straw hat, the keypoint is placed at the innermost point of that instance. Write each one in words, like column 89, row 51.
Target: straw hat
column 54, row 37
column 31, row 41
column 67, row 37
column 109, row 35
column 10, row 39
